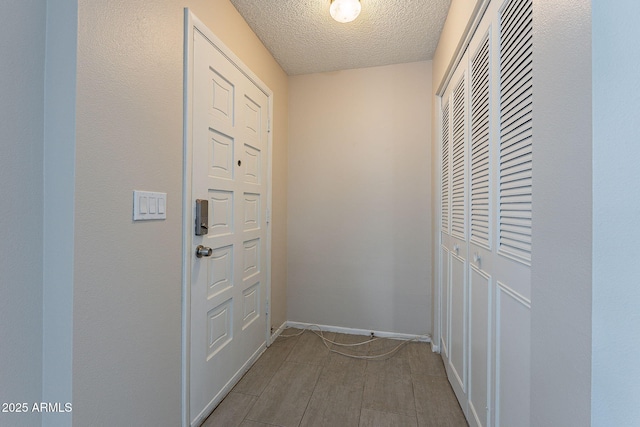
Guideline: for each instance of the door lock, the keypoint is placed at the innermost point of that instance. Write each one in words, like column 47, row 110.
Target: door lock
column 202, row 217
column 203, row 251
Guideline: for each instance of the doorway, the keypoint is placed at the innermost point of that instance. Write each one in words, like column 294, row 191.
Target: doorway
column 226, row 227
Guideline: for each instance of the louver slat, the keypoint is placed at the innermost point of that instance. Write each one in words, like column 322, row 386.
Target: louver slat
column 458, row 207
column 480, row 146
column 445, row 168
column 516, row 134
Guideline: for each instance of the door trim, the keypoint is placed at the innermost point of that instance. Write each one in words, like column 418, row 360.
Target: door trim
column 191, row 24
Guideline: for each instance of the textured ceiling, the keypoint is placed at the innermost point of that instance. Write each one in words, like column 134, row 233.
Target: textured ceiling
column 303, row 38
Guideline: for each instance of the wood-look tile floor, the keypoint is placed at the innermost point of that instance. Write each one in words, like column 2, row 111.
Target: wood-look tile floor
column 298, row 382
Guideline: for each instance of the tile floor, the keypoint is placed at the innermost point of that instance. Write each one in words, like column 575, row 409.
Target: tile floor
column 298, row 382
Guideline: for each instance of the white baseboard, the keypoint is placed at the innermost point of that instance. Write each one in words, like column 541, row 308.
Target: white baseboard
column 275, row 334
column 365, row 332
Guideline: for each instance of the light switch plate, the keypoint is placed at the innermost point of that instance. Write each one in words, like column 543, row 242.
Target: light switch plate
column 149, row 205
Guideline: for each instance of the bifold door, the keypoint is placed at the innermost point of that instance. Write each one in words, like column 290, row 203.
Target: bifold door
column 485, row 223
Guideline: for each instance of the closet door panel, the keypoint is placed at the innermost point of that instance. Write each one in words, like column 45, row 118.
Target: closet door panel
column 479, row 346
column 513, row 345
column 516, row 133
column 459, row 161
column 445, row 302
column 457, row 241
column 457, row 367
column 445, row 171
column 514, row 207
column 481, row 214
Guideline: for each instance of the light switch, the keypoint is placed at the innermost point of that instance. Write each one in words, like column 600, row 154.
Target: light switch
column 144, row 205
column 149, row 205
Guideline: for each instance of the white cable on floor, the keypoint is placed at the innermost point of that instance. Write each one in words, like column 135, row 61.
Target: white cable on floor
column 354, row 356
column 327, row 339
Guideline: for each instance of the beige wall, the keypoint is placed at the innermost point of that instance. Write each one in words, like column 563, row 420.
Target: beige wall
column 127, row 284
column 359, row 202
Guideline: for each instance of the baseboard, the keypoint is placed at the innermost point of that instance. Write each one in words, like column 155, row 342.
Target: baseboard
column 353, row 331
column 275, row 334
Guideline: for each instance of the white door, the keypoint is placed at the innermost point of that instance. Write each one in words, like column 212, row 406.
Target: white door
column 454, row 233
column 480, row 228
column 228, row 283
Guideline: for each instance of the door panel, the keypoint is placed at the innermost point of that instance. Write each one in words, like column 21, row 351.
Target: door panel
column 445, row 171
column 445, row 295
column 454, row 204
column 229, row 170
column 480, row 242
column 459, row 147
column 516, row 129
column 479, row 346
column 513, row 345
column 458, row 344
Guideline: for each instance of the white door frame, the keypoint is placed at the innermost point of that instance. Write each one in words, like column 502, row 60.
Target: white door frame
column 192, row 23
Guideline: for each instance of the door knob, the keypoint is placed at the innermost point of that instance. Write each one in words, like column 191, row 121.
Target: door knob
column 203, row 251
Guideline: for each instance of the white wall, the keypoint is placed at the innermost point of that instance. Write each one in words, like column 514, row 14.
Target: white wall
column 616, row 208
column 359, row 191
column 22, row 47
column 562, row 214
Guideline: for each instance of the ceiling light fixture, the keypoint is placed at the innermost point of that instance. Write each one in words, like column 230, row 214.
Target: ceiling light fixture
column 345, row 10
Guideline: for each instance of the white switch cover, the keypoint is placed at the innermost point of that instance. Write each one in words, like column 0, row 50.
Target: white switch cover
column 148, row 205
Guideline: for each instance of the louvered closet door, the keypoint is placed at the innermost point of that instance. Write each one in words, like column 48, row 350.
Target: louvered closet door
column 480, row 220
column 445, row 230
column 454, row 238
column 513, row 172
column 486, row 200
